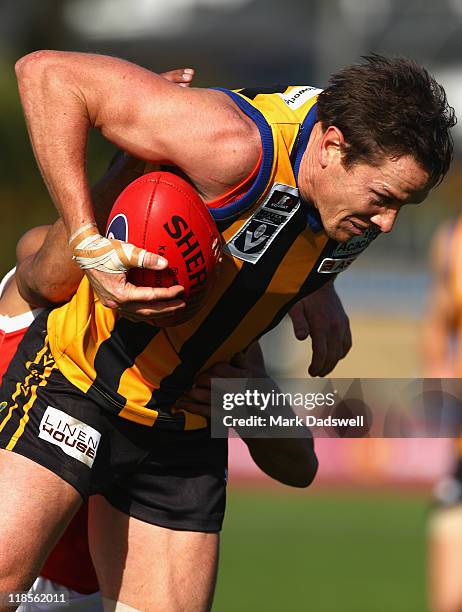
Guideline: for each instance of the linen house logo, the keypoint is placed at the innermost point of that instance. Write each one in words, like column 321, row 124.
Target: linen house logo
column 75, row 438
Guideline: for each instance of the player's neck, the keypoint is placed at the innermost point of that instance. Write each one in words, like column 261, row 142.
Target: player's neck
column 308, row 166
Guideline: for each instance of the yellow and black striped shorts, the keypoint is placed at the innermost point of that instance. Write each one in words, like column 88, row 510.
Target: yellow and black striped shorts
column 175, row 479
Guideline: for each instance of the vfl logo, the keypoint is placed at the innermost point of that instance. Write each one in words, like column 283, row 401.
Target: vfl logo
column 75, row 438
column 118, row 228
column 3, row 405
column 256, row 235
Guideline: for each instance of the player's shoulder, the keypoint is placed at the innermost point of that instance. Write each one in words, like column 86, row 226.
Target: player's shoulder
column 234, row 122
column 231, row 142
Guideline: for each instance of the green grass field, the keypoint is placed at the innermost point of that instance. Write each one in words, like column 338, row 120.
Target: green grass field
column 322, row 552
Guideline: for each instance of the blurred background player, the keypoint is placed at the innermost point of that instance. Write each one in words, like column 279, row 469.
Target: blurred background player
column 443, row 359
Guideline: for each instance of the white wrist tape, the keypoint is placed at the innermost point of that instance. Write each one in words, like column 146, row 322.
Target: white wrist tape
column 95, row 252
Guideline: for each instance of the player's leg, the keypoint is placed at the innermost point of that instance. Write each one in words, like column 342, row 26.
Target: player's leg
column 43, row 474
column 167, row 514
column 445, row 560
column 151, row 568
column 38, row 505
column 445, row 544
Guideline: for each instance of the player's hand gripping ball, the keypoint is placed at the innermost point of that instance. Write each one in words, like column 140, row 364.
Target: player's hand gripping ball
column 162, row 213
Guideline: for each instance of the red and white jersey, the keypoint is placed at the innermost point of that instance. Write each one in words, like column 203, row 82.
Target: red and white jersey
column 12, row 329
column 69, row 563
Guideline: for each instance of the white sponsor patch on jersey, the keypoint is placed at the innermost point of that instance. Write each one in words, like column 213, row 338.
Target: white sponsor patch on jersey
column 297, row 96
column 346, row 252
column 334, row 266
column 75, row 438
column 357, row 244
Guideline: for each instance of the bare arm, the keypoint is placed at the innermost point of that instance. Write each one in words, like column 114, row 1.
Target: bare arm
column 66, row 94
column 442, row 313
column 321, row 316
column 48, row 275
column 291, row 461
column 202, row 132
column 11, row 301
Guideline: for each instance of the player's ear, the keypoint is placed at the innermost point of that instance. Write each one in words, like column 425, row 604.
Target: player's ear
column 331, row 146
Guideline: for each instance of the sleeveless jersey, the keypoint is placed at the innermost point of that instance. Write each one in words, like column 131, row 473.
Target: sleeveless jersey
column 276, row 252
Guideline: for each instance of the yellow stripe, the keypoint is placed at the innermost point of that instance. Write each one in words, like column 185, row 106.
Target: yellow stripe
column 25, row 419
column 19, row 386
column 459, row 446
column 192, row 421
column 76, row 331
column 287, row 278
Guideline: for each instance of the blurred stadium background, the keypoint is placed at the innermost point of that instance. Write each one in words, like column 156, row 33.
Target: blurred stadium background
column 355, row 540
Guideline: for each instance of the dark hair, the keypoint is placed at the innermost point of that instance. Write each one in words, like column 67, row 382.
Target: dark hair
column 390, row 107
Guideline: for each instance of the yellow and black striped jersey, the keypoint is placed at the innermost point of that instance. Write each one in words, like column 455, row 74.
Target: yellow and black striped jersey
column 276, row 253
column 453, row 261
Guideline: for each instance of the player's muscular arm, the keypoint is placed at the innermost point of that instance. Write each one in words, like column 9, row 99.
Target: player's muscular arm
column 291, row 461
column 65, row 94
column 50, row 276
column 11, row 302
column 321, row 316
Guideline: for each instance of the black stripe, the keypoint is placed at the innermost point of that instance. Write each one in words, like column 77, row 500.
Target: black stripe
column 116, row 354
column 245, row 291
column 251, row 93
column 312, row 283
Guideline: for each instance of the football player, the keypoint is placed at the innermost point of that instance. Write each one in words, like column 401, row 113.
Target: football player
column 328, row 170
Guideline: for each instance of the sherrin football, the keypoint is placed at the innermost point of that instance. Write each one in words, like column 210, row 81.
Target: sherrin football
column 164, row 214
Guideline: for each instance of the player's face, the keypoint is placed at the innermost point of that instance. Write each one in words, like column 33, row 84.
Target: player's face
column 364, row 196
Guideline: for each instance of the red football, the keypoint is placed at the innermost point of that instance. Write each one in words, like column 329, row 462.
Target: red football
column 164, row 214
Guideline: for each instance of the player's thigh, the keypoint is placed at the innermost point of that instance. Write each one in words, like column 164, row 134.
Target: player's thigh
column 148, row 567
column 36, row 506
column 445, row 560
